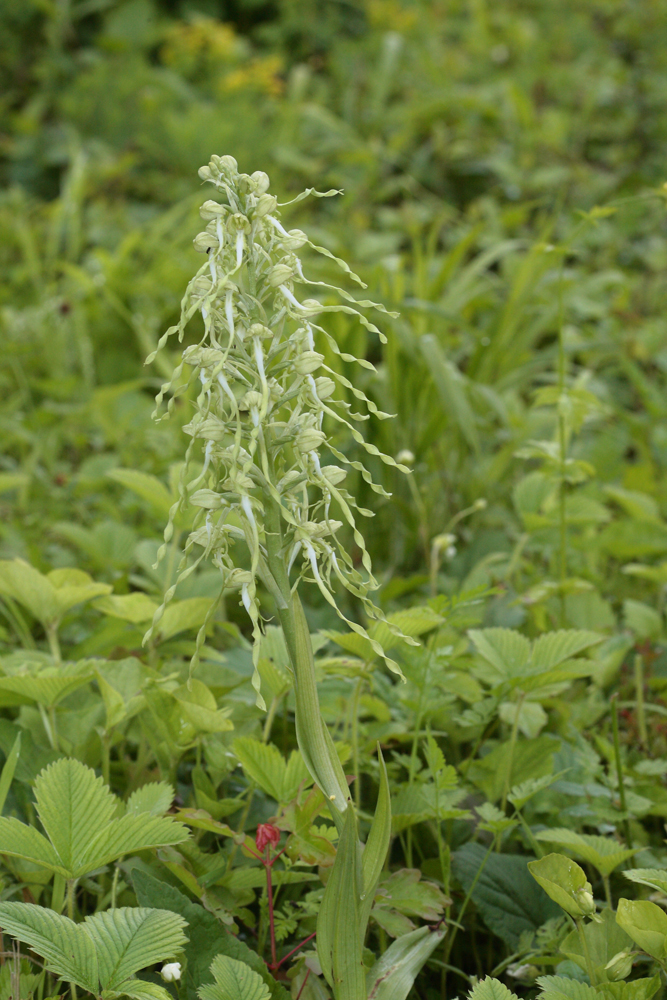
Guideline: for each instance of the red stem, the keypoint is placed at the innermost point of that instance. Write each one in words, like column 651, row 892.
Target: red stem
column 269, row 893
column 302, row 985
column 290, row 953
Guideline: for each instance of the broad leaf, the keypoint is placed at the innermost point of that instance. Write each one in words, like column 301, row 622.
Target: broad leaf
column 553, row 648
column 154, row 798
column 233, row 981
column 604, row 940
column 491, row 989
column 506, row 650
column 561, row 988
column 77, row 812
column 146, row 486
column 66, row 948
column 507, row 897
column 646, row 924
column 48, row 597
column 563, row 880
column 129, row 939
column 604, row 853
column 135, row 608
column 655, row 878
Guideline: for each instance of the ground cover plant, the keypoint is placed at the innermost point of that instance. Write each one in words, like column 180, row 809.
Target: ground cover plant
column 342, row 673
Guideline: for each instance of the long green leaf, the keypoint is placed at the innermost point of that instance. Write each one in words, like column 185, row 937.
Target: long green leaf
column 8, row 770
column 339, row 939
column 377, row 845
column 392, row 976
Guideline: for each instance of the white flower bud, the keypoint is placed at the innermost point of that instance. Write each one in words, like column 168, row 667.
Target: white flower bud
column 279, row 274
column 325, row 387
column 238, row 223
column 405, row 457
column 250, row 400
column 586, row 902
column 266, row 204
column 212, row 210
column 208, row 499
column 204, row 241
column 202, row 284
column 620, row 966
column 334, row 474
column 294, row 240
column 171, row 972
column 238, row 578
column 261, row 181
column 259, row 330
column 308, row 362
column 226, row 163
column 311, row 306
column 309, row 439
column 205, row 173
column 275, row 390
column 317, row 529
column 209, row 429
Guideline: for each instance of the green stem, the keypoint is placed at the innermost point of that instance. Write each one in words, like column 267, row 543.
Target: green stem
column 54, row 644
column 114, row 885
column 270, row 716
column 587, row 954
column 619, row 768
column 508, row 775
column 468, row 895
column 607, row 891
column 639, row 695
column 58, row 893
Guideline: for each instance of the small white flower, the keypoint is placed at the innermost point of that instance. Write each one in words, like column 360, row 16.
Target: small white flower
column 171, row 972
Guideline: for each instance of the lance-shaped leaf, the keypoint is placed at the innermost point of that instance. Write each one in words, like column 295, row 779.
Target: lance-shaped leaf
column 377, row 845
column 393, row 974
column 234, row 980
column 103, row 953
column 77, row 812
column 339, row 938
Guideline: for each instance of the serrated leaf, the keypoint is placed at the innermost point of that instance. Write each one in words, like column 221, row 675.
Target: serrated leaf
column 506, row 650
column 67, row 950
column 636, row 989
column 139, row 989
column 605, row 853
column 604, row 939
column 491, row 989
column 233, row 981
column 263, row 764
column 520, row 794
column 129, row 939
column 154, row 798
column 529, row 716
column 655, row 878
column 47, row 690
column 562, row 988
column 554, row 648
column 77, row 812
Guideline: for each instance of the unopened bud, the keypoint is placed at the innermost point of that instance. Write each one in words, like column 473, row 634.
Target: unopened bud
column 212, row 210
column 238, row 578
column 325, row 387
column 204, row 241
column 289, row 480
column 308, row 362
column 334, row 474
column 226, row 163
column 405, row 457
column 620, row 966
column 261, row 181
column 310, row 439
column 171, row 972
column 202, row 284
column 252, row 399
column 238, row 223
column 266, row 204
column 294, row 240
column 259, row 330
column 279, row 274
column 311, row 306
column 208, row 499
column 586, row 902
column 205, row 173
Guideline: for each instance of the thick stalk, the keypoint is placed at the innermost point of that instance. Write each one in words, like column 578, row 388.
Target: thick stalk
column 639, row 695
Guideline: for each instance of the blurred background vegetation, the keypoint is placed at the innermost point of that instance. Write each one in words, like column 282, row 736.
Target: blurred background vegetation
column 502, row 167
